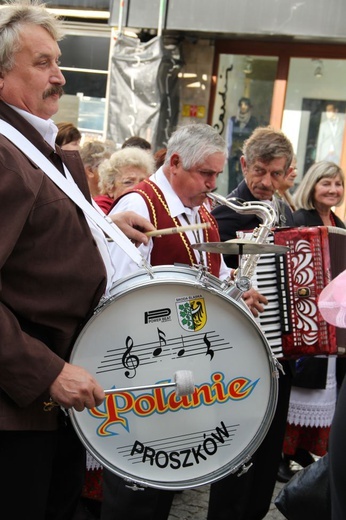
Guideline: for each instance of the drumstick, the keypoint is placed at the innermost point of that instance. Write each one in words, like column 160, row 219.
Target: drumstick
column 183, row 384
column 179, row 229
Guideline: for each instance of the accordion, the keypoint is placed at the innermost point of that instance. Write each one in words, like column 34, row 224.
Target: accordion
column 292, row 284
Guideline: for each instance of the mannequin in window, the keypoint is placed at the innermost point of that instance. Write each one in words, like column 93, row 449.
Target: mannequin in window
column 330, row 135
column 239, row 128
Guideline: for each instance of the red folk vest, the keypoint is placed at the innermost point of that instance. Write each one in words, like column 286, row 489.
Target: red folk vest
column 176, row 248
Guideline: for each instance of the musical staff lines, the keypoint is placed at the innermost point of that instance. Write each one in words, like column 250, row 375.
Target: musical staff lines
column 133, row 355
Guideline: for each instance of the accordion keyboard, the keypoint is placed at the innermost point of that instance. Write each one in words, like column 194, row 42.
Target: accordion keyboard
column 267, row 283
column 269, row 280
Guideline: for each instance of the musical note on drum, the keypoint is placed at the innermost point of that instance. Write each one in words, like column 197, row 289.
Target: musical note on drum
column 182, row 350
column 141, row 354
column 163, row 342
column 210, row 351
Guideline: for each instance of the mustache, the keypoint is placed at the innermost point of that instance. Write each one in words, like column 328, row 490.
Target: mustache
column 52, row 91
column 264, row 188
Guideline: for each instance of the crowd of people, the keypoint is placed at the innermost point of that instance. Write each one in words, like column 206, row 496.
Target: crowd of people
column 57, row 265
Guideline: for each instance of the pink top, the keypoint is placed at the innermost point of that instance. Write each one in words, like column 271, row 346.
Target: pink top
column 332, row 301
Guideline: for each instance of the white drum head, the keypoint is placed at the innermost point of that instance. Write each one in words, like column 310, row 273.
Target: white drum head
column 150, row 329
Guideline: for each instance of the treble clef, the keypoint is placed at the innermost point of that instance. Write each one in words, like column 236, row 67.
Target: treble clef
column 129, row 360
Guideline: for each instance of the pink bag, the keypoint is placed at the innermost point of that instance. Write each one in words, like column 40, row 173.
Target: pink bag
column 332, row 301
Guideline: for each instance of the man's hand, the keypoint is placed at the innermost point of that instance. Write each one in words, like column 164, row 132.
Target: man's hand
column 255, row 301
column 75, row 387
column 134, row 226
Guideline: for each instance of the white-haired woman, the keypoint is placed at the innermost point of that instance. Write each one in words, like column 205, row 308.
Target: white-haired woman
column 124, row 169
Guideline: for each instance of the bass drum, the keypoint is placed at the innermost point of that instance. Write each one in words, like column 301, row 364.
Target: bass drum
column 152, row 326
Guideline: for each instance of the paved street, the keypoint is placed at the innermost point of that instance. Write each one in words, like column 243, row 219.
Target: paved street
column 192, row 505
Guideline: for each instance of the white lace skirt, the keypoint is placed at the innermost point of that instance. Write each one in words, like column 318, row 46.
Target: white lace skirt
column 314, row 407
column 92, row 463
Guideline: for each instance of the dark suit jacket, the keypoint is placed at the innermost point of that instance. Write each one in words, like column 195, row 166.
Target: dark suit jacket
column 310, row 217
column 51, row 277
column 229, row 497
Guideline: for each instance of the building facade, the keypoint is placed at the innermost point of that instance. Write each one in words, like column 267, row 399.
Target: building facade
column 287, row 58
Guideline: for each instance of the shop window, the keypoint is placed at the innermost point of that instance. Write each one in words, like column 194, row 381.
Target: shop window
column 314, row 114
column 195, row 81
column 243, row 101
column 84, row 63
column 85, row 52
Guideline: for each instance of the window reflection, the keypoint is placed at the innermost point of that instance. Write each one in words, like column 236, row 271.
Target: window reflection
column 243, row 101
column 314, row 115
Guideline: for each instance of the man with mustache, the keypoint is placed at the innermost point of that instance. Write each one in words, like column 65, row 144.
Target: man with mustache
column 54, row 268
column 53, row 91
column 264, row 163
column 267, row 156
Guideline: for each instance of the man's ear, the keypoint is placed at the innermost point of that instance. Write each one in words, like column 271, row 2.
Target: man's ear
column 243, row 165
column 175, row 160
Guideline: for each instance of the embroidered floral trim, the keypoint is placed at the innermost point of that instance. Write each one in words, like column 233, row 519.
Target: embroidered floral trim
column 177, row 224
column 92, row 463
column 150, row 204
column 203, row 213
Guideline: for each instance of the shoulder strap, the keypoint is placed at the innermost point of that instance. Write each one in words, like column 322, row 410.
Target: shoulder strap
column 72, row 191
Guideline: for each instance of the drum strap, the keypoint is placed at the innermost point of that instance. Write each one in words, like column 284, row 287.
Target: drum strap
column 73, row 192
